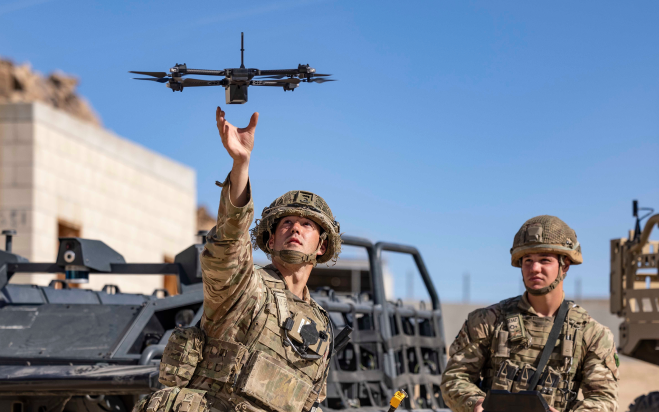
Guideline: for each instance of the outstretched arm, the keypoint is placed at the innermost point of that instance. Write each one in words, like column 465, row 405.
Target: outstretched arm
column 227, row 265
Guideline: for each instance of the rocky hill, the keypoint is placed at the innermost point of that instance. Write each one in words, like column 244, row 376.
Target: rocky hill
column 19, row 83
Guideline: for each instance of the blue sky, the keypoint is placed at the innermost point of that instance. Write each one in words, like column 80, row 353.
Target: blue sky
column 452, row 123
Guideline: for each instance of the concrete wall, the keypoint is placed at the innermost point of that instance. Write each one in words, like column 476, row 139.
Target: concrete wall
column 56, row 168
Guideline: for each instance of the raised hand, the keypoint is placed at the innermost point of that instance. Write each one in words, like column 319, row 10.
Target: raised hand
column 238, row 142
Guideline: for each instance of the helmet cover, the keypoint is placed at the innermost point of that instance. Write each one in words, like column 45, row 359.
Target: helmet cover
column 546, row 234
column 302, row 204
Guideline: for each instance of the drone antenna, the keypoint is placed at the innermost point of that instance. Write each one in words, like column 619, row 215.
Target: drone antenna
column 242, row 49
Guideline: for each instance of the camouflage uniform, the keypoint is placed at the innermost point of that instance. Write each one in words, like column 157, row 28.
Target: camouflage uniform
column 490, row 352
column 246, row 365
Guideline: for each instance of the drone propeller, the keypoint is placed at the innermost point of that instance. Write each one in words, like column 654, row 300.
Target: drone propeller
column 160, row 80
column 154, row 74
column 281, row 76
column 321, row 80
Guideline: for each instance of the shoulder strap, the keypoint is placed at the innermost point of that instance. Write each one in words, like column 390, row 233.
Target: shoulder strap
column 282, row 305
column 278, row 289
column 551, row 343
column 271, row 278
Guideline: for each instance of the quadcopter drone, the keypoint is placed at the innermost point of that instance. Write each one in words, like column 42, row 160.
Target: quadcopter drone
column 236, row 81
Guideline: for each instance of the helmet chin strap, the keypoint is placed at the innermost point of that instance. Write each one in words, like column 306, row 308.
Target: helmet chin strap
column 547, row 289
column 296, row 257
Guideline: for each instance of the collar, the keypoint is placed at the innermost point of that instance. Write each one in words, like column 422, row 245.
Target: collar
column 525, row 305
column 306, row 296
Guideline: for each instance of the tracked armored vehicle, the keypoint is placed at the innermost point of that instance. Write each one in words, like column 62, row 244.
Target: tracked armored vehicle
column 73, row 350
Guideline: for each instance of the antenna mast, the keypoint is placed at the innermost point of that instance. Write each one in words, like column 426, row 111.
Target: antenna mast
column 242, row 49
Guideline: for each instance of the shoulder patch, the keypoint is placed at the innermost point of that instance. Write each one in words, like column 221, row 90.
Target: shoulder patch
column 612, row 363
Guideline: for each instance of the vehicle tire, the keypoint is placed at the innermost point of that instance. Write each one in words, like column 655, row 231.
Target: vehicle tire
column 646, row 403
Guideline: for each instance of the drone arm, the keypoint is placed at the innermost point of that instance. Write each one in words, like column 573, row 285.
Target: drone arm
column 189, row 82
column 205, row 72
column 261, row 84
column 292, row 72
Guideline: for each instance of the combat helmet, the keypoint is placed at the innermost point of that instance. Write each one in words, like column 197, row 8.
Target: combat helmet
column 546, row 234
column 303, row 204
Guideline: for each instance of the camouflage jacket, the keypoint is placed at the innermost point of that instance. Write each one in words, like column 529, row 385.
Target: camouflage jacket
column 235, row 290
column 477, row 356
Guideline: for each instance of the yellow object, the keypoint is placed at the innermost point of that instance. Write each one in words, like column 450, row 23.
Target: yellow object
column 397, row 399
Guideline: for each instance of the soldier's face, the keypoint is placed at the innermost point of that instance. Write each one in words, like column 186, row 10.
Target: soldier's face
column 540, row 270
column 296, row 233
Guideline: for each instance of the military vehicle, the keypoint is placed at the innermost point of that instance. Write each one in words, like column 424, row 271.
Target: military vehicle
column 73, row 350
column 635, row 296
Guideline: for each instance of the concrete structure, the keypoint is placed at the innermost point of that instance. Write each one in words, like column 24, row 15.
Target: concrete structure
column 61, row 176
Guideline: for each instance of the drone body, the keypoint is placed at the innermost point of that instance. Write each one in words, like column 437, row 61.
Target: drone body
column 236, row 81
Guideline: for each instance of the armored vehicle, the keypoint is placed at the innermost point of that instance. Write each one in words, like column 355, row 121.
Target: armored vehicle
column 66, row 349
column 635, row 296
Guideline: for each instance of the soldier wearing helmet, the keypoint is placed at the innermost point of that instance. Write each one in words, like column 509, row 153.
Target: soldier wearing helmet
column 500, row 347
column 265, row 344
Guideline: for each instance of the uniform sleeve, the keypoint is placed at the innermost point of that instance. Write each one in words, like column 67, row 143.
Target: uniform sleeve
column 599, row 370
column 226, row 262
column 467, row 357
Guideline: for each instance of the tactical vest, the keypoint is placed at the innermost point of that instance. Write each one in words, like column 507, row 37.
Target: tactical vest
column 516, row 345
column 280, row 367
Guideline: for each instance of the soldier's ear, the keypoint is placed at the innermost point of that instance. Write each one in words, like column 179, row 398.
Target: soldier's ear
column 271, row 241
column 323, row 248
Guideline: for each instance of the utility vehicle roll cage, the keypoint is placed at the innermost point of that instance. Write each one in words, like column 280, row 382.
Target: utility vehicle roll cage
column 407, row 344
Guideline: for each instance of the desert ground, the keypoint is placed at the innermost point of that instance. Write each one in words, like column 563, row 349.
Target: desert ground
column 636, row 378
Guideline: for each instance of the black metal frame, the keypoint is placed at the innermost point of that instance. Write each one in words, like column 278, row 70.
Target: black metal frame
column 117, row 269
column 411, row 250
column 387, row 312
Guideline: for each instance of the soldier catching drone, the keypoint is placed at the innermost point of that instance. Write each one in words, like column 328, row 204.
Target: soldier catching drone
column 263, row 343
